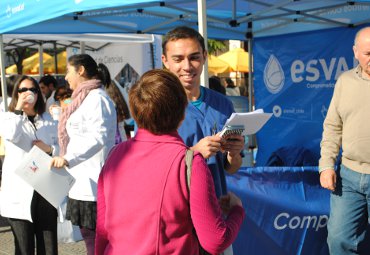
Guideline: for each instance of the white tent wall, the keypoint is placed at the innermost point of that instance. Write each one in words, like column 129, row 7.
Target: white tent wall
column 140, row 56
column 91, row 42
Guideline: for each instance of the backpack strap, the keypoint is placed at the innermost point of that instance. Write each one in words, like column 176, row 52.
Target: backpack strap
column 189, row 162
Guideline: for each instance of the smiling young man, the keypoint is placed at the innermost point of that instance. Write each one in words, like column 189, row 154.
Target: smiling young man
column 184, row 54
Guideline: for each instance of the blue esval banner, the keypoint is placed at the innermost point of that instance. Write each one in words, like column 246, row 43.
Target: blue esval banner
column 286, row 211
column 294, row 78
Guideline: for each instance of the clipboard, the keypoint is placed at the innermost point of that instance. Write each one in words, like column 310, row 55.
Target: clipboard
column 53, row 184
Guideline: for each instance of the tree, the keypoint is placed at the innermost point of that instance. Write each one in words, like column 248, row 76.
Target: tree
column 215, row 45
column 18, row 55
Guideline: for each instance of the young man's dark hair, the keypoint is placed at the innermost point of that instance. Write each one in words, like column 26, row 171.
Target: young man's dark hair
column 182, row 33
column 48, row 79
column 48, row 84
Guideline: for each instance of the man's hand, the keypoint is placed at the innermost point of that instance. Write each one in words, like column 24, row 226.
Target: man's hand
column 208, row 146
column 328, row 179
column 233, row 144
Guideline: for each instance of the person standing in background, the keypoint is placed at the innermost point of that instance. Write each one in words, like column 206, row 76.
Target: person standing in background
column 346, row 127
column 86, row 132
column 184, row 55
column 48, row 84
column 29, row 214
column 122, row 110
column 231, row 89
column 214, row 83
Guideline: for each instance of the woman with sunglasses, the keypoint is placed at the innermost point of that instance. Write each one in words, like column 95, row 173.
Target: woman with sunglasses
column 24, row 126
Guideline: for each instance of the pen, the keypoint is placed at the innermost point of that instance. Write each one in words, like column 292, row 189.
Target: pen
column 214, row 129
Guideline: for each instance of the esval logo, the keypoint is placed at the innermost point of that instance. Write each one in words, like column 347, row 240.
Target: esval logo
column 13, row 10
column 273, row 75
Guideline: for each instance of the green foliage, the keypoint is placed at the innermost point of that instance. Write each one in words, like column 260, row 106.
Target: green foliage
column 215, row 45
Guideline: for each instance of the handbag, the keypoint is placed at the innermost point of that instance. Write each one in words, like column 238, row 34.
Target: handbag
column 189, row 162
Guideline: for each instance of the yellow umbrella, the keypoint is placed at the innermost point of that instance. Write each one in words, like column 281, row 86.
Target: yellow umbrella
column 28, row 64
column 49, row 65
column 237, row 58
column 216, row 65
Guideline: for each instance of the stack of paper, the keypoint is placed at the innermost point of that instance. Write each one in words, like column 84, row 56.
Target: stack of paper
column 252, row 121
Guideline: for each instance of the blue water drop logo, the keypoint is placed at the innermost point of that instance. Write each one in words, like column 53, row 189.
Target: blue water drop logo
column 273, row 75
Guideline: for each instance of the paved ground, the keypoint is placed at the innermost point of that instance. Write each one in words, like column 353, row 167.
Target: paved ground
column 7, row 245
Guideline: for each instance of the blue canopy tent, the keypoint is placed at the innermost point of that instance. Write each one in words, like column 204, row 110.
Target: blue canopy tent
column 225, row 19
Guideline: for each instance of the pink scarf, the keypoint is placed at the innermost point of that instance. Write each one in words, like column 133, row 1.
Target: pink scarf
column 78, row 97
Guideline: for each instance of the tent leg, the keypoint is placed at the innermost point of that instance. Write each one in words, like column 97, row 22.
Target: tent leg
column 41, row 60
column 202, row 27
column 252, row 143
column 82, row 47
column 3, row 75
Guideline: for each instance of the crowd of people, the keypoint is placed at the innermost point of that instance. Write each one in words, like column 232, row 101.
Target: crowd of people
column 130, row 196
column 148, row 194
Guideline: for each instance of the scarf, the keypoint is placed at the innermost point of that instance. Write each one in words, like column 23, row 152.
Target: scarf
column 78, row 97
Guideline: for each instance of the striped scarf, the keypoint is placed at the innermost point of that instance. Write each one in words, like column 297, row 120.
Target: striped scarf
column 78, row 97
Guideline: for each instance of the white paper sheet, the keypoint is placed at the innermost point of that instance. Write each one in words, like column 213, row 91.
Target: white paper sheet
column 53, row 184
column 252, row 121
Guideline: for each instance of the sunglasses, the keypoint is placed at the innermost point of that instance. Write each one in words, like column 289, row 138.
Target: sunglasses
column 33, row 90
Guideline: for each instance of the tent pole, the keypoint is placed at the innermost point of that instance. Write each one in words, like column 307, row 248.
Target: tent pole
column 41, row 60
column 250, row 71
column 252, row 143
column 202, row 27
column 55, row 57
column 3, row 75
column 82, row 47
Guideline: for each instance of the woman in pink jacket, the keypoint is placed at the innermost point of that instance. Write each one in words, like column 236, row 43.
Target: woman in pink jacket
column 144, row 206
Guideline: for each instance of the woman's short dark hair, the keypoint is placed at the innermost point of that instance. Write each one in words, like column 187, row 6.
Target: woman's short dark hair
column 158, row 101
column 40, row 104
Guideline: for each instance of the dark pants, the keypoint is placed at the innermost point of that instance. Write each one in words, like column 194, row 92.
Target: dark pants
column 44, row 227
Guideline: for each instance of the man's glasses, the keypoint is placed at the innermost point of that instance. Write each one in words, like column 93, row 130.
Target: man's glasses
column 33, row 90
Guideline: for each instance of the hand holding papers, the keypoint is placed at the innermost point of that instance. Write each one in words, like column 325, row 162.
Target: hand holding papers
column 53, row 184
column 252, row 121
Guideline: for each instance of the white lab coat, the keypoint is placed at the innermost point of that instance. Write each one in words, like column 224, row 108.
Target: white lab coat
column 91, row 129
column 18, row 133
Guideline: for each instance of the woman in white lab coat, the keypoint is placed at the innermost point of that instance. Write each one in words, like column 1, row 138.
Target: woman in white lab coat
column 86, row 132
column 25, row 125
